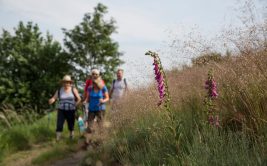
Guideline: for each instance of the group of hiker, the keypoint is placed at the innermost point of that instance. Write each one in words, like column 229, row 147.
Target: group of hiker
column 95, row 97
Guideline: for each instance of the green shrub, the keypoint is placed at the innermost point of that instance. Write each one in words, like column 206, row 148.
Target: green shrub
column 41, row 134
column 15, row 139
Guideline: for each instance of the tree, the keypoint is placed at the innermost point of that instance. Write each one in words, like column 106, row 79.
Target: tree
column 91, row 45
column 30, row 66
column 207, row 58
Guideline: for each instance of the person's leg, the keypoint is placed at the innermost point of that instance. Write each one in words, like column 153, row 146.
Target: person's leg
column 91, row 117
column 85, row 114
column 100, row 118
column 70, row 116
column 60, row 123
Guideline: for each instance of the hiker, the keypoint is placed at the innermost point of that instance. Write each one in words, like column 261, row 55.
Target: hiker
column 68, row 100
column 118, row 89
column 95, row 73
column 97, row 96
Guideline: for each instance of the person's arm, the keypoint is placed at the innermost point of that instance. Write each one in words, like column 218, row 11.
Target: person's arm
column 76, row 93
column 106, row 98
column 53, row 99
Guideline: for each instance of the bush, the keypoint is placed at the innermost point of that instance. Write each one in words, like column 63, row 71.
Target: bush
column 42, row 134
column 15, row 139
column 207, row 58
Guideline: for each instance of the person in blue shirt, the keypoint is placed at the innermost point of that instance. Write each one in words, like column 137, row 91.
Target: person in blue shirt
column 97, row 97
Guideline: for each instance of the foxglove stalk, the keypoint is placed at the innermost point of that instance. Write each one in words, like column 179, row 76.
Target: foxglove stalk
column 160, row 81
column 212, row 93
column 159, row 77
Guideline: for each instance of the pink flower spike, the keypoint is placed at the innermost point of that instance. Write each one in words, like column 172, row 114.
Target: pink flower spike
column 214, row 93
column 211, row 119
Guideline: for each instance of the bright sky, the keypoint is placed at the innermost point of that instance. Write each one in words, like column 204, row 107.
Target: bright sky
column 142, row 25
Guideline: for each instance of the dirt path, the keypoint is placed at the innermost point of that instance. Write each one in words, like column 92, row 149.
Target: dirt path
column 71, row 160
column 96, row 140
column 24, row 158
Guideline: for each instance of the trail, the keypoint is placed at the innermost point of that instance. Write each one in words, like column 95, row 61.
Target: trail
column 96, row 142
column 24, row 158
column 75, row 155
column 73, row 159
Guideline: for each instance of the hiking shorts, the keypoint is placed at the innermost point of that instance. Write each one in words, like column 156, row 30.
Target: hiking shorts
column 63, row 115
column 98, row 114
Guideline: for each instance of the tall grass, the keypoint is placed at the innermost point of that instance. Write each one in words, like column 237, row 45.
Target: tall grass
column 25, row 136
column 10, row 116
column 143, row 135
column 151, row 141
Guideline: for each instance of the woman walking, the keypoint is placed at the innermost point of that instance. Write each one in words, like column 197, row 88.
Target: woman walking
column 97, row 96
column 68, row 100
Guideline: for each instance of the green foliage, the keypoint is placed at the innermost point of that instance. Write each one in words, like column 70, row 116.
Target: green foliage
column 42, row 133
column 30, row 66
column 57, row 152
column 15, row 140
column 24, row 136
column 207, row 58
column 185, row 141
column 91, row 45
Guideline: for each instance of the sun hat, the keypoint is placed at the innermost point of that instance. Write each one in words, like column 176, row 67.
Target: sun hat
column 66, row 78
column 99, row 82
column 96, row 71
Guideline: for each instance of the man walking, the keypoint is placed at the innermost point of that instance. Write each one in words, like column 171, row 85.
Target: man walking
column 118, row 90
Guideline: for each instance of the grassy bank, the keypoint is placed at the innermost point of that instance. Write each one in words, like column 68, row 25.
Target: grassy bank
column 144, row 135
column 27, row 138
column 23, row 137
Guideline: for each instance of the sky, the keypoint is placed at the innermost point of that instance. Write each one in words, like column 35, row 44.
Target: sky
column 142, row 25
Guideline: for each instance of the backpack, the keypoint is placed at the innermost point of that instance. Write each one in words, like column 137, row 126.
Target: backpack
column 58, row 93
column 124, row 80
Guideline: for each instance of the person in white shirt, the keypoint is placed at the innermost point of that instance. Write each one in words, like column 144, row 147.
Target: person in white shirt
column 118, row 89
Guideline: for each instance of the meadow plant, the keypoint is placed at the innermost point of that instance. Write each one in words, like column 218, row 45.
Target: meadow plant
column 161, row 80
column 212, row 94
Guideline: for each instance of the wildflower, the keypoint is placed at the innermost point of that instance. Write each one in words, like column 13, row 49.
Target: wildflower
column 217, row 121
column 211, row 86
column 211, row 119
column 159, row 77
column 212, row 93
column 160, row 80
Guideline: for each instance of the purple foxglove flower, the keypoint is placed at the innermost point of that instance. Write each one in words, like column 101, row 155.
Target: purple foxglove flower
column 213, row 84
column 160, row 80
column 211, row 119
column 159, row 77
column 214, row 93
